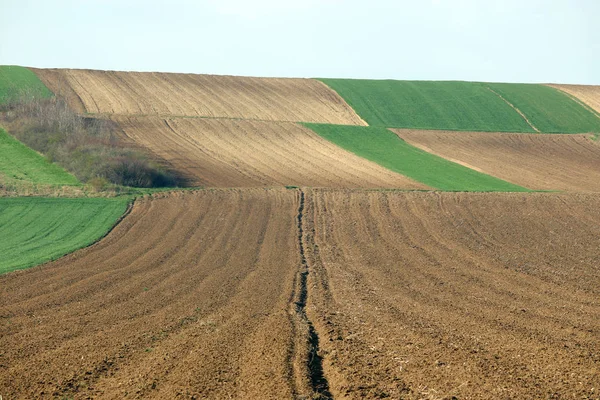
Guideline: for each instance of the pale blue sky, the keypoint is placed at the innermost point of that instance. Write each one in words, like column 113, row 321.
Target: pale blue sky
column 485, row 40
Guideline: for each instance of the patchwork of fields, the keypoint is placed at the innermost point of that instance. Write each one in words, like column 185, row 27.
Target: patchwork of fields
column 465, row 106
column 383, row 147
column 539, row 162
column 320, row 257
column 244, row 153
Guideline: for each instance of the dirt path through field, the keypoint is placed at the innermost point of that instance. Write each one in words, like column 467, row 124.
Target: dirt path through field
column 167, row 94
column 542, row 162
column 188, row 297
column 454, row 295
column 226, row 153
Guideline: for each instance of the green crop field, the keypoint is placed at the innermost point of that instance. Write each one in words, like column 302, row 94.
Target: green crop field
column 465, row 106
column 548, row 109
column 35, row 230
column 388, row 150
column 18, row 81
column 20, row 163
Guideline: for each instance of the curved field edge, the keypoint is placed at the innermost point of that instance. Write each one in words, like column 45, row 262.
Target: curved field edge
column 36, row 230
column 466, row 106
column 198, row 95
column 549, row 109
column 385, row 148
column 586, row 95
column 539, row 162
column 242, row 153
column 191, row 293
column 19, row 163
column 17, row 82
column 447, row 105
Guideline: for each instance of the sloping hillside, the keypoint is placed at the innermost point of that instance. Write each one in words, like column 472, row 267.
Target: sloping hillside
column 145, row 93
column 542, row 162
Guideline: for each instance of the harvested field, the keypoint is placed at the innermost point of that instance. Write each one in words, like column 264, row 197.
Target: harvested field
column 189, row 296
column 589, row 95
column 165, row 94
column 226, row 153
column 456, row 295
column 542, row 162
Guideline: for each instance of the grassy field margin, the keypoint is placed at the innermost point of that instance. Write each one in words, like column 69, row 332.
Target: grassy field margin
column 384, row 147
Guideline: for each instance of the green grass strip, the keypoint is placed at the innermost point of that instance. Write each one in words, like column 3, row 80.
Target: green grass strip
column 16, row 82
column 20, row 163
column 34, row 230
column 466, row 106
column 388, row 150
column 549, row 109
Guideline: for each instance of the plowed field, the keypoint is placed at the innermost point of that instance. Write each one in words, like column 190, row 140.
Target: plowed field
column 188, row 296
column 225, row 153
column 436, row 295
column 143, row 93
column 222, row 293
column 589, row 95
column 543, row 162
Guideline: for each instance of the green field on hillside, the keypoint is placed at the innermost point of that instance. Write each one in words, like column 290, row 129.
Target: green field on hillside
column 20, row 163
column 548, row 109
column 34, row 230
column 464, row 106
column 19, row 81
column 388, row 150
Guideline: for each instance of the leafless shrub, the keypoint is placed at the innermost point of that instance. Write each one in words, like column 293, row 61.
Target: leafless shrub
column 88, row 147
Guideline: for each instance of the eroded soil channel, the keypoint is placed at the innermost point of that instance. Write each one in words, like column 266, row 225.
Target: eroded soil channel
column 317, row 378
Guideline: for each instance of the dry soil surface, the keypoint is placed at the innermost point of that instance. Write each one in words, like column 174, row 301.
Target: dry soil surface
column 454, row 295
column 189, row 297
column 242, row 153
column 535, row 161
column 222, row 293
column 152, row 93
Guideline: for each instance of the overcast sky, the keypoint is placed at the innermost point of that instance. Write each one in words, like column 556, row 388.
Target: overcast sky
column 482, row 40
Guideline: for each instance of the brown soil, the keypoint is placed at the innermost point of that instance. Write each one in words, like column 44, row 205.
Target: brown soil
column 150, row 93
column 589, row 95
column 543, row 162
column 448, row 295
column 226, row 153
column 188, row 297
column 222, row 293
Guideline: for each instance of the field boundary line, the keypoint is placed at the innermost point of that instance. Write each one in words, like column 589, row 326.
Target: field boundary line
column 515, row 108
column 344, row 100
column 576, row 100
